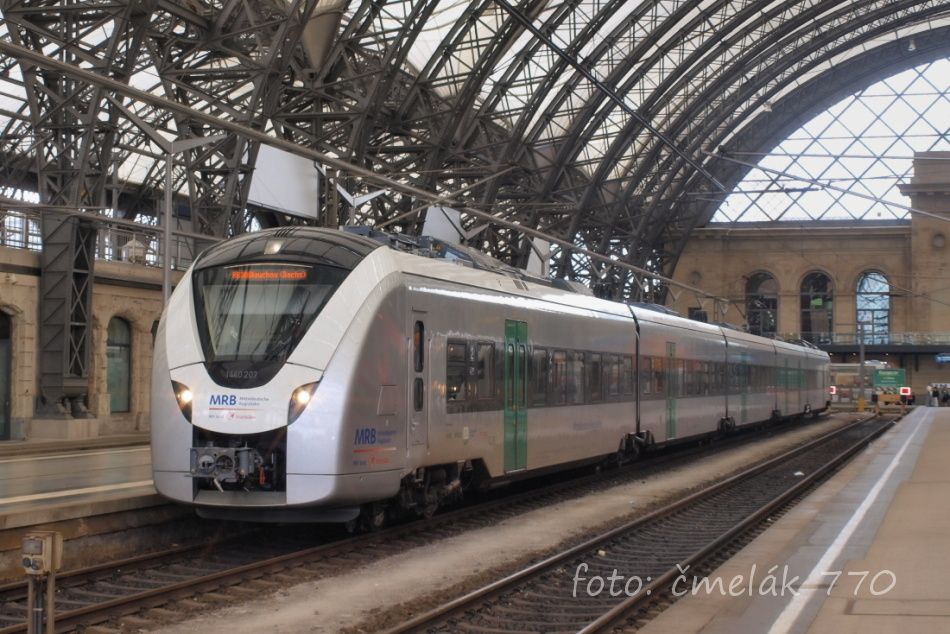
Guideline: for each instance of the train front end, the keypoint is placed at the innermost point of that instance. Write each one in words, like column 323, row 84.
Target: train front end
column 246, row 422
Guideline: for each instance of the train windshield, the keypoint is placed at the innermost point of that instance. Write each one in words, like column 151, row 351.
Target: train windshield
column 258, row 312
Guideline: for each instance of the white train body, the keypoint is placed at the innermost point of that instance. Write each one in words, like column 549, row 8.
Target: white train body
column 417, row 376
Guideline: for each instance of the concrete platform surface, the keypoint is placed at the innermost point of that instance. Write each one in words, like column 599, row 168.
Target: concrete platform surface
column 865, row 553
column 20, row 448
column 38, row 488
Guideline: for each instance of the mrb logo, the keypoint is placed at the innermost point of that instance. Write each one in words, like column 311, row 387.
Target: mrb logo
column 223, row 399
column 365, row 436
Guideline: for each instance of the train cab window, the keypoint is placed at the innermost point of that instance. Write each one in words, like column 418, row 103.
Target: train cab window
column 575, row 378
column 484, row 362
column 539, row 376
column 613, row 376
column 628, row 376
column 559, row 377
column 418, row 346
column 456, row 355
column 595, row 381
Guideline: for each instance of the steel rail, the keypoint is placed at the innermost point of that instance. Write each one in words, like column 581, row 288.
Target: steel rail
column 106, row 610
column 620, row 612
column 474, row 599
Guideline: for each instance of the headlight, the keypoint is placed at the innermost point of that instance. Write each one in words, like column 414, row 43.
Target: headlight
column 184, row 396
column 299, row 400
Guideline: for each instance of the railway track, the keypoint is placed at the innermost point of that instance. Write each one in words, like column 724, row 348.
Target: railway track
column 650, row 553
column 258, row 563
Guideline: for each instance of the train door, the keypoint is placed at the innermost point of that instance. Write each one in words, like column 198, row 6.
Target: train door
column 5, row 378
column 419, row 380
column 516, row 398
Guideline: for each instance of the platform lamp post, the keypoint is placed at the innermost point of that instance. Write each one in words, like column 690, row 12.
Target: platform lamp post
column 170, row 149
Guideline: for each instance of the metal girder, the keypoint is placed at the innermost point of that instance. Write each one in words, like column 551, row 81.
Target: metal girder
column 235, row 66
column 73, row 155
column 710, row 126
column 488, row 97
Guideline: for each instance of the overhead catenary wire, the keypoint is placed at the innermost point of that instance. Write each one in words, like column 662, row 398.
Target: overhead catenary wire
column 826, row 185
column 32, row 57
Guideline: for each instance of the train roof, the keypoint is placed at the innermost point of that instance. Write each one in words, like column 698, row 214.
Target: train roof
column 334, row 248
column 347, row 248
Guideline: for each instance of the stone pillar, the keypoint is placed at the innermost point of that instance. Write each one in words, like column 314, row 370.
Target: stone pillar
column 929, row 191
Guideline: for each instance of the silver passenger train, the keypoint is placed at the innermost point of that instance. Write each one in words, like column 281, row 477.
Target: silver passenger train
column 304, row 374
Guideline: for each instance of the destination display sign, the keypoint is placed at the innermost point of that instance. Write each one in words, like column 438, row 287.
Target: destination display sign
column 271, row 274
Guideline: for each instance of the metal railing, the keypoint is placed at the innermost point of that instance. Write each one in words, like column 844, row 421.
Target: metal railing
column 21, row 230
column 874, row 339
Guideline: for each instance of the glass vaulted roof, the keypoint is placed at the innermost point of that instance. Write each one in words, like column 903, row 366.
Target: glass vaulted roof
column 619, row 126
column 846, row 163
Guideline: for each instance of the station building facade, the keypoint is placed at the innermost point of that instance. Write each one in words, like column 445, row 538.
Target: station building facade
column 834, row 284
column 126, row 306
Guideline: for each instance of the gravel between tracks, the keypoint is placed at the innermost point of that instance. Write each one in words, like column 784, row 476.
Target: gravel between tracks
column 369, row 597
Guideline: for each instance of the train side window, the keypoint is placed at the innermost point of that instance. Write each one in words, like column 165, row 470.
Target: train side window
column 628, row 378
column 484, row 363
column 595, row 382
column 680, row 378
column 659, row 376
column 456, row 355
column 510, row 362
column 559, row 376
column 539, row 376
column 522, row 378
column 575, row 379
column 418, row 345
column 646, row 375
column 613, row 373
column 418, row 393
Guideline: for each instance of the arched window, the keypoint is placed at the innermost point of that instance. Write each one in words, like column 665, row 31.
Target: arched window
column 873, row 302
column 816, row 305
column 119, row 364
column 6, row 350
column 761, row 304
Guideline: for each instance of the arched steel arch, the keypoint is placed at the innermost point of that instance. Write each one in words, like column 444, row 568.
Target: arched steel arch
column 346, row 78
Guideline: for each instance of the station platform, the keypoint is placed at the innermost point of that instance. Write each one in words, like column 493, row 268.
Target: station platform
column 42, row 482
column 86, row 490
column 869, row 547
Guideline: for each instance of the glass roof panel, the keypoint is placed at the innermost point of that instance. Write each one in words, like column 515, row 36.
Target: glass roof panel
column 864, row 143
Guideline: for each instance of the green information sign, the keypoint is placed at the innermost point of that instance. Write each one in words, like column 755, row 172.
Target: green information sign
column 890, row 378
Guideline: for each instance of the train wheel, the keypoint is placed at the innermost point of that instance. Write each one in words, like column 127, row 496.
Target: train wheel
column 373, row 516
